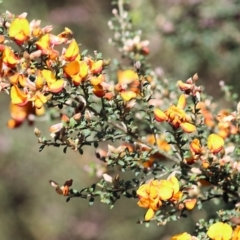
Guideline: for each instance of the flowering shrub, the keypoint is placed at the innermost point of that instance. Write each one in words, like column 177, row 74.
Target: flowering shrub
column 180, row 147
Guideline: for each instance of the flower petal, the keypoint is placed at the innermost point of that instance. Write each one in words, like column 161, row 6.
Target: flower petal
column 128, row 95
column 188, row 127
column 181, row 102
column 149, row 215
column 57, row 86
column 215, row 143
column 220, row 229
column 159, row 115
column 190, row 203
column 17, row 96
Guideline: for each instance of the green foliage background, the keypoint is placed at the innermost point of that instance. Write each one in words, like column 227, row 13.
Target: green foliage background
column 186, row 36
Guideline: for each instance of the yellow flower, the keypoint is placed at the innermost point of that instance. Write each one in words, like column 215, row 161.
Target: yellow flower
column 182, row 236
column 19, row 30
column 220, row 231
column 215, row 143
column 176, row 116
column 127, row 76
column 128, row 95
column 54, row 85
column 128, row 81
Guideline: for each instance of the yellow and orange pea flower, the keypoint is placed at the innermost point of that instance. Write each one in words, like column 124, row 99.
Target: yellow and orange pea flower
column 225, row 125
column 19, row 30
column 152, row 193
column 19, row 114
column 215, row 143
column 9, row 59
column 128, row 84
column 176, row 116
column 208, row 117
column 77, row 71
column 72, row 52
column 21, row 97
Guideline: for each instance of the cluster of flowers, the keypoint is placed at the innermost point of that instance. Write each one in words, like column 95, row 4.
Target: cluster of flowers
column 36, row 69
column 153, row 193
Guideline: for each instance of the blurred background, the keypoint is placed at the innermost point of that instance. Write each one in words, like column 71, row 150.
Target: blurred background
column 186, row 36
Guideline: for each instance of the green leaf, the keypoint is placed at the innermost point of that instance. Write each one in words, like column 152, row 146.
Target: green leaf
column 84, row 53
column 41, row 147
column 92, row 188
column 121, row 163
column 72, row 123
column 99, row 56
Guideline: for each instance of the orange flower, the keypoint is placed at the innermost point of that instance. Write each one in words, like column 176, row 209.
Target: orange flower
column 97, row 67
column 77, row 71
column 236, row 233
column 195, row 146
column 182, row 236
column 220, row 231
column 18, row 78
column 20, row 113
column 215, row 143
column 18, row 97
column 19, row 30
column 154, row 192
column 9, row 58
column 98, row 89
column 208, row 117
column 176, row 116
column 225, row 125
